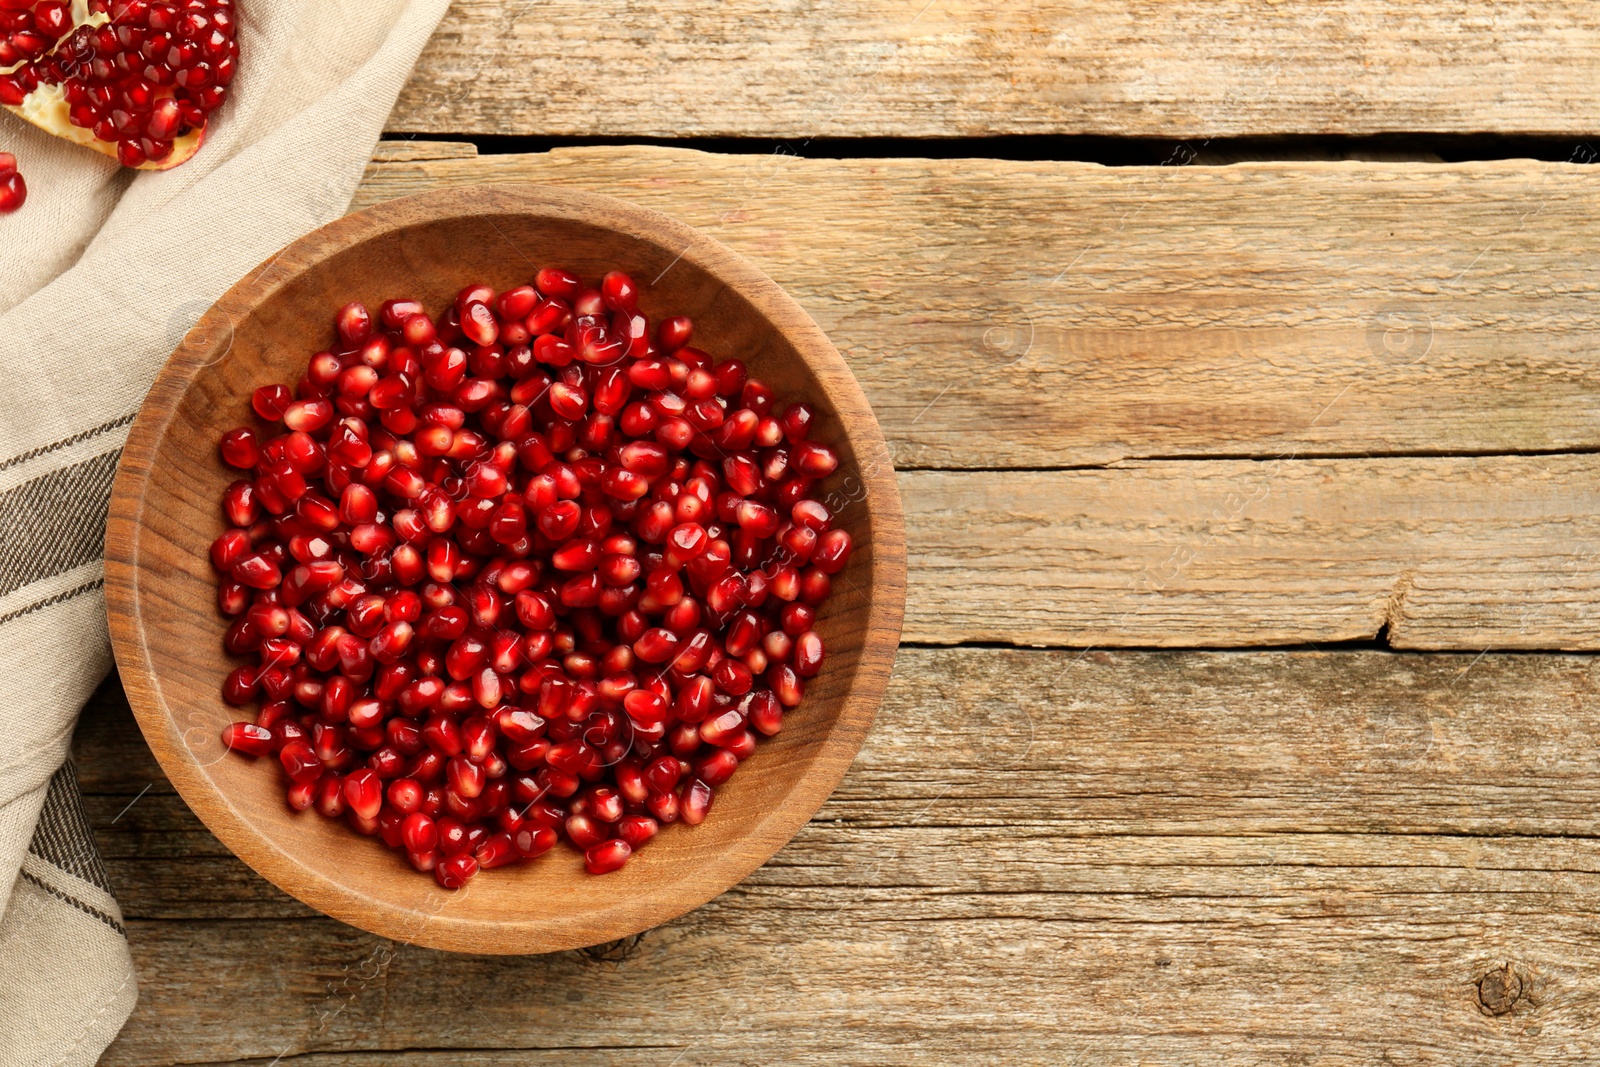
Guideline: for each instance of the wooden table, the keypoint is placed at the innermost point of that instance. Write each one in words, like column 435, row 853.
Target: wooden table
column 1245, row 714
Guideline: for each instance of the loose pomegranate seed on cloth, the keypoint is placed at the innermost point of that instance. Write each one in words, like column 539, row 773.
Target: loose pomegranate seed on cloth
column 520, row 571
column 13, row 190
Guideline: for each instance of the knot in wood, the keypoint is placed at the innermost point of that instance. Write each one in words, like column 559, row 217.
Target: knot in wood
column 1499, row 990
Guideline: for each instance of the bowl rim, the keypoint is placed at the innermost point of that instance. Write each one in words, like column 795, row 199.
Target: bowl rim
column 438, row 928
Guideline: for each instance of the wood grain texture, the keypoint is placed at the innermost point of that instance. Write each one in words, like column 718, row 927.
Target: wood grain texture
column 1041, row 315
column 1206, row 858
column 943, row 68
column 160, row 585
column 1495, row 552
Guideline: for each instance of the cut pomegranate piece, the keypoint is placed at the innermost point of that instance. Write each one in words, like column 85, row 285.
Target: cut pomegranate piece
column 136, row 80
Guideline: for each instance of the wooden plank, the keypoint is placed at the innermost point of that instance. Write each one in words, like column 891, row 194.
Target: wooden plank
column 1204, row 858
column 1043, row 315
column 1114, row 742
column 1479, row 553
column 1469, row 554
column 1037, row 949
column 1085, row 744
column 937, row 68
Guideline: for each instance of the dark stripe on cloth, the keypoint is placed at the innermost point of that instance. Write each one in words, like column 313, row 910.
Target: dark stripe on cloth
column 76, row 903
column 63, row 838
column 65, row 441
column 54, row 522
column 49, row 601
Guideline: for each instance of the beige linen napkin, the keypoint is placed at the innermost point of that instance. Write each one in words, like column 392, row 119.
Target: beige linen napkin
column 101, row 273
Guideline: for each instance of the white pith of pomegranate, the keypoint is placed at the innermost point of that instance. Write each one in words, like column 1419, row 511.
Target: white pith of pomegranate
column 524, row 571
column 133, row 79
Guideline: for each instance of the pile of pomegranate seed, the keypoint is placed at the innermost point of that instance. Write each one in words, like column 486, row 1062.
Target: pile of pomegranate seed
column 520, row 572
column 13, row 190
column 136, row 79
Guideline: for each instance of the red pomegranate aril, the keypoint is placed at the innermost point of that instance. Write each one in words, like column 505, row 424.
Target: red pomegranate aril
column 645, row 707
column 479, row 325
column 833, row 551
column 330, row 797
column 257, row 571
column 786, row 685
column 695, row 802
column 584, row 831
column 664, row 806
column 766, row 714
column 716, row 767
column 239, row 504
column 240, row 449
column 743, row 746
column 605, row 805
column 732, row 677
column 453, row 872
column 229, row 548
column 247, row 739
column 496, row 850
column 465, row 777
column 354, row 325
column 13, row 190
column 532, row 842
column 452, row 834
column 720, row 729
column 637, row 829
column 363, row 791
column 607, row 857
column 807, row 654
column 631, row 784
column 405, row 795
column 300, row 762
column 308, row 415
column 619, row 291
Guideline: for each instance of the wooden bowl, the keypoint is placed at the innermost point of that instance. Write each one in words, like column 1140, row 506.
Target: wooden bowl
column 161, row 591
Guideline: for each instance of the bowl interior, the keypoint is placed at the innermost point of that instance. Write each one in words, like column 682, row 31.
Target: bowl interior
column 165, row 514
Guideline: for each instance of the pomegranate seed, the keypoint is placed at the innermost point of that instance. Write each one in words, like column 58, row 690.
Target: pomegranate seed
column 405, row 796
column 715, row 767
column 607, row 856
column 248, row 739
column 13, row 190
column 353, row 324
column 301, row 795
column 300, row 762
column 364, row 793
column 532, row 842
column 807, row 654
column 674, row 332
column 453, row 872
column 637, row 829
column 695, row 802
column 419, row 833
column 239, row 448
column 496, row 851
column 619, row 291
